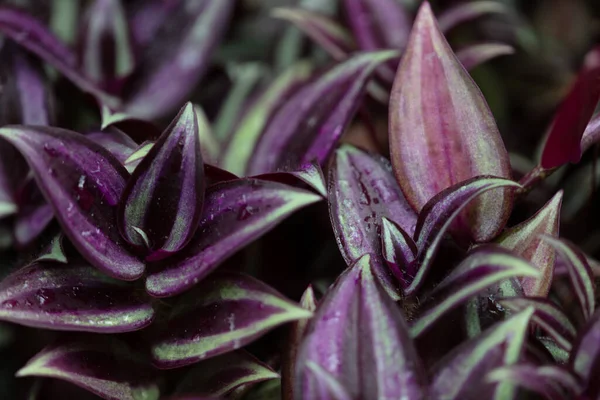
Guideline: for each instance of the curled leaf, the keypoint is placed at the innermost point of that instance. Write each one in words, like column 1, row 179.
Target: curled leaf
column 362, row 191
column 91, row 365
column 308, row 126
column 442, row 131
column 524, row 240
column 485, row 266
column 72, row 297
column 359, row 337
column 235, row 214
column 162, row 203
column 83, row 182
column 225, row 312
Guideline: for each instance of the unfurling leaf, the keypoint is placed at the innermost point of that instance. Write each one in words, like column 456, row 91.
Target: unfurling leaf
column 399, row 251
column 91, row 365
column 580, row 273
column 439, row 213
column 359, row 338
column 221, row 375
column 83, row 182
column 564, row 143
column 235, row 214
column 442, row 131
column 308, row 126
column 547, row 316
column 225, row 312
column 461, row 374
column 73, row 298
column 524, row 240
column 362, row 191
column 162, row 203
column 485, row 266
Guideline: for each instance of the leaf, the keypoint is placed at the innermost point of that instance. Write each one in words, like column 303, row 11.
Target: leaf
column 309, row 124
column 221, row 375
column 225, row 312
column 106, row 48
column 36, row 38
column 83, row 182
column 209, row 145
column 580, row 273
column 297, row 329
column 466, row 12
column 322, row 29
column 545, row 380
column 161, row 205
column 560, row 355
column 484, row 267
column 235, row 214
column 436, row 108
column 181, row 48
column 34, row 214
column 117, row 142
column 475, row 55
column 146, row 18
column 591, row 134
column 137, row 156
column 243, row 141
column 524, row 240
column 460, row 375
column 53, row 252
column 399, row 251
column 439, row 213
column 311, row 174
column 359, row 337
column 584, row 357
column 362, row 191
column 324, row 385
column 74, row 297
column 547, row 316
column 564, row 139
column 91, row 365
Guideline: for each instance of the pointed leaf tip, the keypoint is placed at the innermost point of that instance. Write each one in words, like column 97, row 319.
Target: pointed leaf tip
column 359, row 337
column 437, row 108
column 83, row 182
column 164, row 196
column 524, row 240
column 225, row 312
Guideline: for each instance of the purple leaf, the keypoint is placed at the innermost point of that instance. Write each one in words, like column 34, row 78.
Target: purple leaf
column 235, row 214
column 547, row 316
column 73, row 298
column 461, row 373
column 239, row 150
column 465, row 12
column 147, row 16
column 83, row 182
column 484, row 267
column 161, row 205
column 362, row 191
column 472, row 56
column 580, row 273
column 399, row 251
column 106, row 50
column 296, row 333
column 221, row 375
column 117, row 142
column 358, row 335
column 439, row 213
column 591, row 134
column 34, row 214
column 181, row 48
column 309, row 125
column 91, row 365
column 564, row 139
column 324, row 386
column 586, row 350
column 442, row 131
column 310, row 174
column 225, row 312
column 524, row 240
column 323, row 30
column 545, row 380
column 32, row 35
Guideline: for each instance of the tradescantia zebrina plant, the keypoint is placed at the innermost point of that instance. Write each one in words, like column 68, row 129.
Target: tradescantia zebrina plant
column 264, row 243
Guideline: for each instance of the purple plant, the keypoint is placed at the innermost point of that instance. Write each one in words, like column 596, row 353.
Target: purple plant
column 264, row 243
